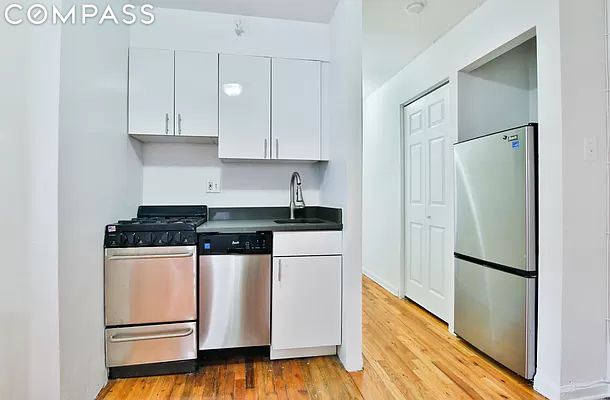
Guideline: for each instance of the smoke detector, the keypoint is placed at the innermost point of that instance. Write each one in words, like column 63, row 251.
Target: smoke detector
column 415, row 6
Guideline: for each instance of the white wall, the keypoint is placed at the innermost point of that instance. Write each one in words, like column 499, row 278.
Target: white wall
column 29, row 78
column 583, row 100
column 498, row 94
column 100, row 181
column 381, row 194
column 178, row 174
column 342, row 179
column 213, row 32
column 493, row 24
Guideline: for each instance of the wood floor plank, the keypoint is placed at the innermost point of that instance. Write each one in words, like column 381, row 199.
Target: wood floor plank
column 407, row 352
column 226, row 382
column 164, row 388
column 296, row 383
column 178, row 388
column 280, row 383
column 211, row 380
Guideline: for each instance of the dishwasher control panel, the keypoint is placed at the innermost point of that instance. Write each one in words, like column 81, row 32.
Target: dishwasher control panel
column 235, row 243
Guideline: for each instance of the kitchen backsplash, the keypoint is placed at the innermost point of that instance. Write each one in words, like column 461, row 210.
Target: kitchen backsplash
column 178, row 174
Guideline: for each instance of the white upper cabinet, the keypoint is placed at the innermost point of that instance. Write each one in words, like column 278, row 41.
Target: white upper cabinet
column 258, row 108
column 196, row 91
column 296, row 109
column 244, row 107
column 151, row 91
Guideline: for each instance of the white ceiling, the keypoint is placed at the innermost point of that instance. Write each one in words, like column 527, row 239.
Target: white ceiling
column 393, row 37
column 300, row 10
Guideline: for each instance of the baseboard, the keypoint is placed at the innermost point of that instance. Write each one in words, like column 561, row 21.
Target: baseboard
column 351, row 362
column 300, row 353
column 546, row 387
column 381, row 282
column 587, row 391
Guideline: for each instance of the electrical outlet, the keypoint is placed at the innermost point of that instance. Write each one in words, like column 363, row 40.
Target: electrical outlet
column 590, row 149
column 213, row 186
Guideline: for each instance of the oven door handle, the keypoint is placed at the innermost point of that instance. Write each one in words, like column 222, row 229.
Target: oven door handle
column 149, row 256
column 153, row 336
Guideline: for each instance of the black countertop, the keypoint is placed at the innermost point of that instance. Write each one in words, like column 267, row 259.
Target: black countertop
column 256, row 219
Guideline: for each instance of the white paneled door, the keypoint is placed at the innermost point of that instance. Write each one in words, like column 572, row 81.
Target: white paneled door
column 428, row 202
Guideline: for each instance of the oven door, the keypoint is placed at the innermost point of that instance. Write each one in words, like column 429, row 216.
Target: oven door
column 150, row 285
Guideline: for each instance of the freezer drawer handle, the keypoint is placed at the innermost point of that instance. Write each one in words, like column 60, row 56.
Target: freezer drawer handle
column 147, row 256
column 153, row 336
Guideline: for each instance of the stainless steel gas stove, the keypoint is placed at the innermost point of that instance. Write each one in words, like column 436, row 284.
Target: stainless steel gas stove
column 150, row 289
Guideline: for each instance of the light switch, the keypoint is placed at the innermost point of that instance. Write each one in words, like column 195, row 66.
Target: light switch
column 590, row 149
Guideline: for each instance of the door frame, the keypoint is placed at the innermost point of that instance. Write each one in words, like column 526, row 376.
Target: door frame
column 404, row 186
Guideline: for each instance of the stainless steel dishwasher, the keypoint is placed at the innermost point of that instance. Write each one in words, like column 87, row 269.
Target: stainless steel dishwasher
column 234, row 290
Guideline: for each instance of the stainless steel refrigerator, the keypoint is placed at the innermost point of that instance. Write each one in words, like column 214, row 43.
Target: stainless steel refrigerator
column 496, row 246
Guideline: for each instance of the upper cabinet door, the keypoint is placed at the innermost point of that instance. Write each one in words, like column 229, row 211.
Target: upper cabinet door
column 196, row 81
column 244, row 107
column 296, row 109
column 151, row 91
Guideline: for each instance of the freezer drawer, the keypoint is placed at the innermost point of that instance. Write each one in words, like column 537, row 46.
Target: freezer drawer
column 150, row 285
column 150, row 344
column 234, row 301
column 495, row 312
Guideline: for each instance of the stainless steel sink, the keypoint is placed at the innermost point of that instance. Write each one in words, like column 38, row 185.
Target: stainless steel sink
column 300, row 221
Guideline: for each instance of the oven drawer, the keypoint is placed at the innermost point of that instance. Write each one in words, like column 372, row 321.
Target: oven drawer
column 150, row 344
column 150, row 285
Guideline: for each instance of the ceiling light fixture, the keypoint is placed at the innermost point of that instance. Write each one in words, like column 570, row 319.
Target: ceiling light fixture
column 415, row 6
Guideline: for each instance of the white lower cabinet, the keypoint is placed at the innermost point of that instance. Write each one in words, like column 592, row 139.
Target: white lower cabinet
column 305, row 306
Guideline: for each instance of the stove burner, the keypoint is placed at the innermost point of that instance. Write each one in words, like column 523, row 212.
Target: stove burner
column 163, row 220
column 157, row 226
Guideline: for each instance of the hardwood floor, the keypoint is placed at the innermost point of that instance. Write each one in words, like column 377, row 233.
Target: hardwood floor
column 408, row 354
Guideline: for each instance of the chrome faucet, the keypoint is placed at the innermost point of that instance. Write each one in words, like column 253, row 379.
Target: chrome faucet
column 298, row 201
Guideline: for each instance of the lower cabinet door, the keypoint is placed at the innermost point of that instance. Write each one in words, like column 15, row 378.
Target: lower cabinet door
column 306, row 302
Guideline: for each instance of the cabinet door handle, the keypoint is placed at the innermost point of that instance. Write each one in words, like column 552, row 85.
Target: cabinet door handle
column 166, row 123
column 179, row 124
column 265, row 148
column 277, row 148
column 279, row 271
